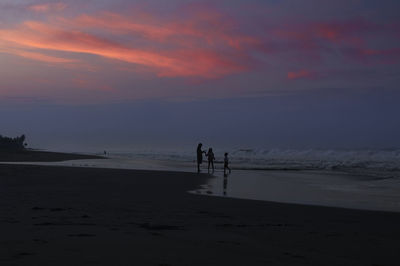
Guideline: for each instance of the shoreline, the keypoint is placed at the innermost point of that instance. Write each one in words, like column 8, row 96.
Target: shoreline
column 43, row 156
column 199, row 190
column 66, row 215
column 313, row 188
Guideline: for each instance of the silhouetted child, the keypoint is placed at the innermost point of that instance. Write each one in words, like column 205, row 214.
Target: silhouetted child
column 211, row 158
column 226, row 163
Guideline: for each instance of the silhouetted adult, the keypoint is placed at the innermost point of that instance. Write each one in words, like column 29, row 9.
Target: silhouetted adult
column 199, row 156
column 211, row 158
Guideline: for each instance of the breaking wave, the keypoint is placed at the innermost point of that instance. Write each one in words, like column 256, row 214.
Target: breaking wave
column 383, row 163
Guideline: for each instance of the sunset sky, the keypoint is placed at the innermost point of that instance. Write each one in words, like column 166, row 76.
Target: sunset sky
column 289, row 73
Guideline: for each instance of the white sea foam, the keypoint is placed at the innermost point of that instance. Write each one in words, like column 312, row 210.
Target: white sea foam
column 380, row 163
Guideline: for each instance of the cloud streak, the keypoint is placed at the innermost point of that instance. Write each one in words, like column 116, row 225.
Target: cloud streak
column 170, row 50
column 352, row 38
column 207, row 43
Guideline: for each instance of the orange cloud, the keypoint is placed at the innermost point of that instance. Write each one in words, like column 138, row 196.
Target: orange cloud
column 171, row 63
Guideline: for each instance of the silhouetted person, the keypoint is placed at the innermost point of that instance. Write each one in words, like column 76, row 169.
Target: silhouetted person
column 226, row 163
column 211, row 158
column 199, row 156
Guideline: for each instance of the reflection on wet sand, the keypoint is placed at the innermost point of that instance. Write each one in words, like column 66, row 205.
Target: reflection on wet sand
column 225, row 184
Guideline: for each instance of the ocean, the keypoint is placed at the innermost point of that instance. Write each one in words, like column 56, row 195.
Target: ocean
column 379, row 163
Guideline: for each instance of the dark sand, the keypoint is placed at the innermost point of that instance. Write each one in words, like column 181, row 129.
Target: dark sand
column 42, row 156
column 83, row 216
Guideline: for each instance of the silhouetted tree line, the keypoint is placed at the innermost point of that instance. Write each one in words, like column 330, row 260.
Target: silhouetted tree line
column 17, row 143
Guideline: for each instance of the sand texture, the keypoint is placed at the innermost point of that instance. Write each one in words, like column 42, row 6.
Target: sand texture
column 42, row 156
column 87, row 216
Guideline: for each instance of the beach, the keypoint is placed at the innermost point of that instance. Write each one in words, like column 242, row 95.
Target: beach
column 52, row 215
column 42, row 156
column 174, row 133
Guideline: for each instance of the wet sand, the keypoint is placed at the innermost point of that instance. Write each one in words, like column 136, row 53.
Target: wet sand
column 88, row 216
column 42, row 156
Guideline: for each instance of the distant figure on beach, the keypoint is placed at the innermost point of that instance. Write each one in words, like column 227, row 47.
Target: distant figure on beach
column 199, row 156
column 105, row 153
column 226, row 163
column 211, row 158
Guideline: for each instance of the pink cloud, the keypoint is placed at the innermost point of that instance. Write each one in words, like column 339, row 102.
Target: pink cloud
column 210, row 29
column 177, row 48
column 202, row 43
column 315, row 35
column 301, row 74
column 179, row 62
column 382, row 56
column 349, row 40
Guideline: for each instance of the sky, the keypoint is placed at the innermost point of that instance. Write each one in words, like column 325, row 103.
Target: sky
column 102, row 74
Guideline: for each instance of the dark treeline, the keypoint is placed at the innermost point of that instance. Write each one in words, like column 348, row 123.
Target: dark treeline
column 17, row 143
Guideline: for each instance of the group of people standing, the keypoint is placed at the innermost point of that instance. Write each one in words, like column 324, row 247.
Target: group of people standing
column 211, row 158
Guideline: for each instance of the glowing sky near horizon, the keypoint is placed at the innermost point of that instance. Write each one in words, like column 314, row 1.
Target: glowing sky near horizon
column 100, row 51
